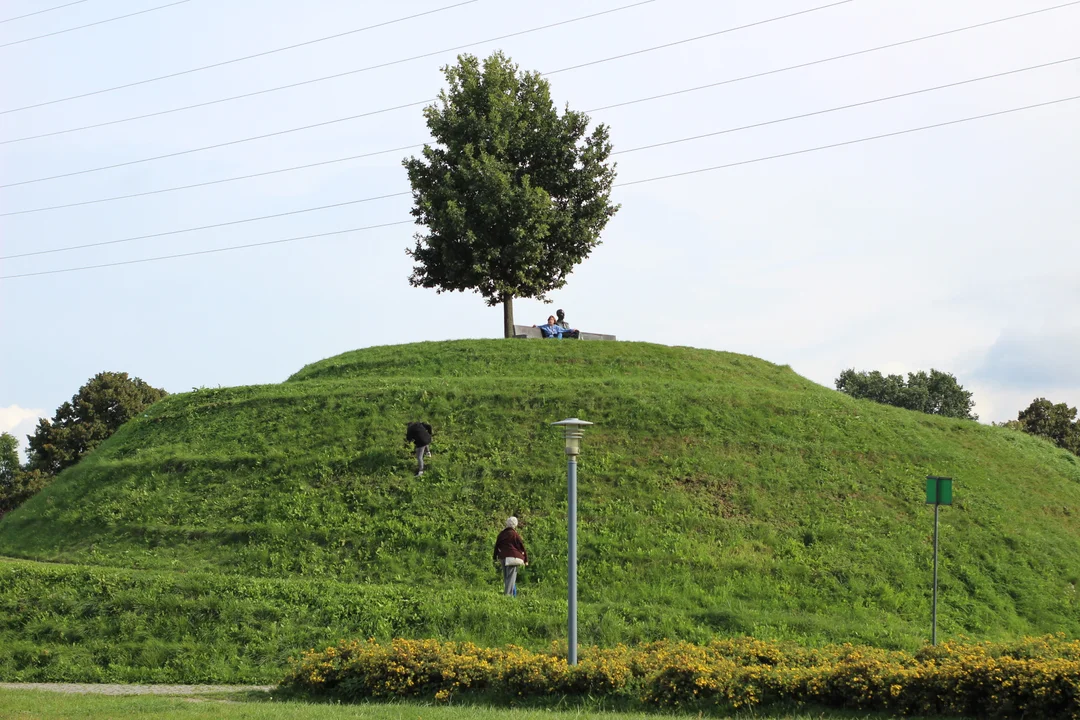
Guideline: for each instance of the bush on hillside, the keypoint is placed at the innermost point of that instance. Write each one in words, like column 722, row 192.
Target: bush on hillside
column 102, row 405
column 1055, row 422
column 1038, row 677
column 936, row 393
column 16, row 483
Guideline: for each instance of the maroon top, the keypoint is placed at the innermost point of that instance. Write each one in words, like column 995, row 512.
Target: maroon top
column 509, row 544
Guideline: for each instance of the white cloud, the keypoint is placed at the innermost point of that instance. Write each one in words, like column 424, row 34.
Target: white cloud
column 19, row 421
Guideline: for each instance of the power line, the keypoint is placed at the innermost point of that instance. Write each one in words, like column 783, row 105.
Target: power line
column 99, row 22
column 212, row 182
column 39, row 12
column 630, row 150
column 411, row 147
column 418, row 145
column 847, row 107
column 596, row 62
column 230, row 62
column 353, row 117
column 847, row 142
column 700, row 37
column 210, row 252
column 422, row 102
column 837, row 57
column 622, row 184
column 189, row 151
column 207, row 227
column 356, row 71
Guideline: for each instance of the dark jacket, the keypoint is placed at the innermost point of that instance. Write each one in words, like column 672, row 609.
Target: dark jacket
column 419, row 434
column 509, row 544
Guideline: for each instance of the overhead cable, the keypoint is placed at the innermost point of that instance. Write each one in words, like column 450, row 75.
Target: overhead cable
column 596, row 62
column 246, row 57
column 621, row 184
column 847, row 107
column 669, row 142
column 39, row 12
column 700, row 37
column 207, row 227
column 347, row 72
column 352, row 117
column 213, row 250
column 419, row 145
column 99, row 22
column 848, row 142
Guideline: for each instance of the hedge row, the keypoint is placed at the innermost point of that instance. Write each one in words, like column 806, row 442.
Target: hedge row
column 1038, row 677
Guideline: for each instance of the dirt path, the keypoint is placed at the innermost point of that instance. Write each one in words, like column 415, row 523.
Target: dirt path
column 116, row 689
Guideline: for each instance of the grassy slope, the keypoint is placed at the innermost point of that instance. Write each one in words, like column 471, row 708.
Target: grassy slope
column 719, row 494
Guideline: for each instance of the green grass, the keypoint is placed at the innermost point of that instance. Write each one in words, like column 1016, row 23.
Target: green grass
column 28, row 704
column 719, row 495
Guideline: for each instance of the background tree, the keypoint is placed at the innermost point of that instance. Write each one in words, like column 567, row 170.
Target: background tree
column 936, row 393
column 1056, row 422
column 9, row 461
column 103, row 404
column 16, row 482
column 513, row 195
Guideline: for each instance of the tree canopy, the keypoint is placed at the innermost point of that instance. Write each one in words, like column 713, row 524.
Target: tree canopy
column 1056, row 422
column 9, row 460
column 512, row 194
column 936, row 393
column 103, row 404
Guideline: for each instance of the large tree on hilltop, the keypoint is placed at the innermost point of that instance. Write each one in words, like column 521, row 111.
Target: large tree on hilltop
column 512, row 194
column 103, row 404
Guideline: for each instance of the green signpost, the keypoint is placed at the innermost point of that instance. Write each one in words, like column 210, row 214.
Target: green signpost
column 938, row 493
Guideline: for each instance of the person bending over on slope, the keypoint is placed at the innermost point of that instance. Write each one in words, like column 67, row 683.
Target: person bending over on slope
column 419, row 434
column 554, row 330
column 509, row 555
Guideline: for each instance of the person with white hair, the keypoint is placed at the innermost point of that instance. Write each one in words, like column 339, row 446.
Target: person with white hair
column 509, row 555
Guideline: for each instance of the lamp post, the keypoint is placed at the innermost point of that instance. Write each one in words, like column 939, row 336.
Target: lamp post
column 572, row 434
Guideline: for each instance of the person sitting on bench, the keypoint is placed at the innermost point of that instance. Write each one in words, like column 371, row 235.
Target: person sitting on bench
column 554, row 330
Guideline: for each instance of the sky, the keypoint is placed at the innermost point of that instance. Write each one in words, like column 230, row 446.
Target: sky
column 953, row 247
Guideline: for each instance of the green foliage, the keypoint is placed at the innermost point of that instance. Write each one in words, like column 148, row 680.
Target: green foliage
column 513, row 195
column 103, row 404
column 16, row 482
column 1056, row 423
column 1035, row 678
column 938, row 393
column 9, row 460
column 719, row 495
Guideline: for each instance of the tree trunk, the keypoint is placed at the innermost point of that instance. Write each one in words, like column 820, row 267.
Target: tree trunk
column 508, row 316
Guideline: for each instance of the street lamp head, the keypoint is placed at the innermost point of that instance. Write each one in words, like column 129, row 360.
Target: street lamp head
column 572, row 433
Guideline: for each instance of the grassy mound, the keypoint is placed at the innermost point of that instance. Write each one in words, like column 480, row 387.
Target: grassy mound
column 719, row 495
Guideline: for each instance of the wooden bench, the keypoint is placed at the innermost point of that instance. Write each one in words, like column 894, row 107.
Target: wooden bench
column 529, row 332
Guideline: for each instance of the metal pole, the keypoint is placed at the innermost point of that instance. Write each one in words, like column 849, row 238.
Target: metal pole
column 933, row 621
column 571, row 474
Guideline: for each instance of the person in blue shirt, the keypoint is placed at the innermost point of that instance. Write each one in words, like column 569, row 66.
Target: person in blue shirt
column 554, row 330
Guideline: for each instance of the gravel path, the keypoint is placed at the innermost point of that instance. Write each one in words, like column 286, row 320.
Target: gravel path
column 112, row 689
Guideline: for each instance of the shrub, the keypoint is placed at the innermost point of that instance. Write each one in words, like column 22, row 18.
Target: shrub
column 1037, row 677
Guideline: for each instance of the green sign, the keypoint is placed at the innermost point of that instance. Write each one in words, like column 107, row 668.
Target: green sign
column 938, row 490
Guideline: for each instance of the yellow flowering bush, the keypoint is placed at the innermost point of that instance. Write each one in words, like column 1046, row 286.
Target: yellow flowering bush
column 1036, row 677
